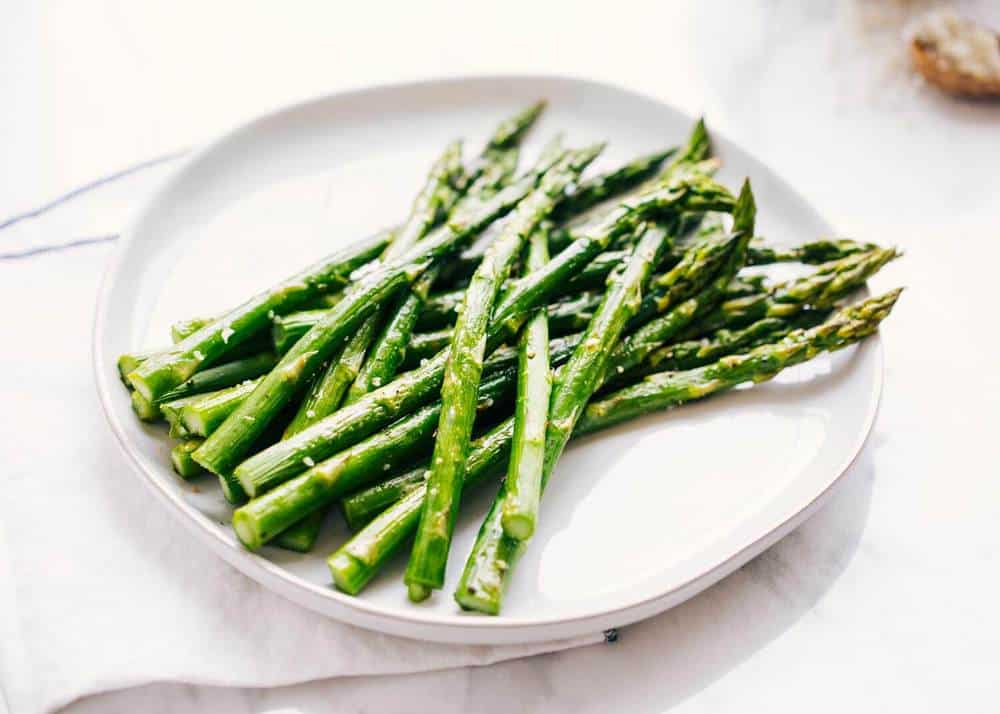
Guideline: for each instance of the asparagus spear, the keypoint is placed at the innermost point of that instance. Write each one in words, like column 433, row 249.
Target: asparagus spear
column 600, row 188
column 390, row 348
column 435, row 199
column 287, row 329
column 265, row 516
column 159, row 374
column 490, row 173
column 391, row 510
column 225, row 448
column 225, row 375
column 202, row 414
column 493, row 551
column 144, row 409
column 180, row 457
column 813, row 253
column 327, row 391
column 667, row 389
column 416, row 388
column 695, row 353
column 462, row 373
column 534, row 386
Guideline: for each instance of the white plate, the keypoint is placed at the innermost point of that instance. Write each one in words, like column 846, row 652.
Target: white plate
column 637, row 519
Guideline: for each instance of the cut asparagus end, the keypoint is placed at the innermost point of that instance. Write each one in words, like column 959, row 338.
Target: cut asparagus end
column 518, row 525
column 180, row 457
column 417, row 592
column 231, row 488
column 469, row 598
column 246, row 483
column 128, row 363
column 145, row 409
column 193, row 421
column 349, row 574
column 177, row 430
column 246, row 530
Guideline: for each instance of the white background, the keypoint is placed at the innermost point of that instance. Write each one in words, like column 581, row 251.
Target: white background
column 886, row 599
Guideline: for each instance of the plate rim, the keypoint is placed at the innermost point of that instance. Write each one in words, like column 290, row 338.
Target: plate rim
column 416, row 625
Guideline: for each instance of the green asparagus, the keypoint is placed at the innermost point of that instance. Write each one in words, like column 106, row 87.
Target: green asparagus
column 534, row 385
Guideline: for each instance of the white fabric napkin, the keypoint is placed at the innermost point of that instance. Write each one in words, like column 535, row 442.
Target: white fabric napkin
column 100, row 588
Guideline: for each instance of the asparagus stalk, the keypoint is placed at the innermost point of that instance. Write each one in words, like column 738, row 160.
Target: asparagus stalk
column 813, row 253
column 144, row 409
column 492, row 172
column 225, row 375
column 180, row 457
column 534, row 386
column 363, row 505
column 159, row 374
column 414, row 389
column 202, row 414
column 327, row 392
column 287, row 329
column 225, row 448
column 668, row 389
column 600, row 188
column 462, row 373
column 128, row 362
column 695, row 353
column 390, row 348
column 492, row 555
column 264, row 517
column 435, row 199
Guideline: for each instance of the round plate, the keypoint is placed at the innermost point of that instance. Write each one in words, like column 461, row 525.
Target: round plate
column 636, row 519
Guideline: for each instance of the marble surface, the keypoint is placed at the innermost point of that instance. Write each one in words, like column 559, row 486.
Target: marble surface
column 883, row 601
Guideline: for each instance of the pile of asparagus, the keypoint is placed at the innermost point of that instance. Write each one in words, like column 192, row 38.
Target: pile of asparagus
column 506, row 314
